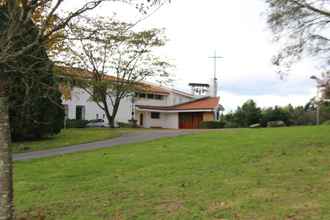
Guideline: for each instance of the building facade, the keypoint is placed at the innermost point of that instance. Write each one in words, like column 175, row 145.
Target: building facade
column 156, row 107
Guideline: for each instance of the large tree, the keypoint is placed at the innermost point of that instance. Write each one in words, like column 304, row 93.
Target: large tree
column 35, row 105
column 45, row 14
column 302, row 28
column 118, row 59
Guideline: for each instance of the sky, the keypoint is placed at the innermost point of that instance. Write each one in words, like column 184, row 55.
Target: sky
column 237, row 30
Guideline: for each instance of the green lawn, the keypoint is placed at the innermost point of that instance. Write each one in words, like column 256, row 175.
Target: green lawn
column 243, row 174
column 67, row 137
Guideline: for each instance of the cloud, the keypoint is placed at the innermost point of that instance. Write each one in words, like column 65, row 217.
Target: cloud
column 238, row 30
column 267, row 84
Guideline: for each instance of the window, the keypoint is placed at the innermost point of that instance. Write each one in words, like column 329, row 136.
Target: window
column 158, row 97
column 142, row 95
column 155, row 115
column 80, row 112
column 150, row 96
column 97, row 116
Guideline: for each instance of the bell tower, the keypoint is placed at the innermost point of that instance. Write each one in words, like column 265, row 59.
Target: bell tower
column 199, row 89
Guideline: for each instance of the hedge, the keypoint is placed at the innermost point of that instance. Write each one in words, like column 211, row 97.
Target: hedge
column 74, row 123
column 212, row 124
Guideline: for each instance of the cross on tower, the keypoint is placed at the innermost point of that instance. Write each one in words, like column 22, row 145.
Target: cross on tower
column 215, row 57
column 215, row 83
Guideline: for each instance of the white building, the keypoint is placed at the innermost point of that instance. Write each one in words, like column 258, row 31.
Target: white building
column 157, row 107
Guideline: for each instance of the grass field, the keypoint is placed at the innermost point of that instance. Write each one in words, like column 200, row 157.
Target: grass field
column 268, row 174
column 67, row 137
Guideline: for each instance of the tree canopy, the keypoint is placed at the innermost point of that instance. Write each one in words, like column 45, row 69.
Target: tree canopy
column 302, row 28
column 117, row 58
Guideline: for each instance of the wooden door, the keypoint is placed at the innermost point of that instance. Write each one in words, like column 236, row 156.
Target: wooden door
column 197, row 118
column 185, row 120
column 190, row 120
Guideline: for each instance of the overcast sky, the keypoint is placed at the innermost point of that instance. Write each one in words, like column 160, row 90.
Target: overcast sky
column 238, row 31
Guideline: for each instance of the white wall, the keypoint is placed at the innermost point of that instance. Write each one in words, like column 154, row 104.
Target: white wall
column 172, row 120
column 167, row 120
column 81, row 97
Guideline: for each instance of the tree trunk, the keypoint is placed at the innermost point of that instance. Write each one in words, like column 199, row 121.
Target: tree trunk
column 6, row 187
column 110, row 119
column 114, row 111
column 112, row 122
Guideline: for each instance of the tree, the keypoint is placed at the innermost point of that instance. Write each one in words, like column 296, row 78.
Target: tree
column 245, row 115
column 275, row 114
column 302, row 27
column 117, row 58
column 35, row 105
column 45, row 14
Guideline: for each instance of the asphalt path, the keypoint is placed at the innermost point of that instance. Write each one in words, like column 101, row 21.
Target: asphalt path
column 127, row 138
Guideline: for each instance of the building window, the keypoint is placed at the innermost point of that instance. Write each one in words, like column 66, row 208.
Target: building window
column 158, row 97
column 150, row 96
column 80, row 112
column 97, row 116
column 155, row 115
column 142, row 95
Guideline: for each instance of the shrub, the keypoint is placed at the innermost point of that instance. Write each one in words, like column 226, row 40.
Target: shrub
column 212, row 124
column 273, row 124
column 124, row 125
column 74, row 123
column 326, row 122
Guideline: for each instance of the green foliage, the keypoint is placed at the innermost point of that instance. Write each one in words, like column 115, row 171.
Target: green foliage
column 275, row 114
column 35, row 107
column 326, row 122
column 107, row 47
column 275, row 124
column 244, row 116
column 74, row 123
column 130, row 124
column 250, row 114
column 244, row 174
column 212, row 124
column 301, row 28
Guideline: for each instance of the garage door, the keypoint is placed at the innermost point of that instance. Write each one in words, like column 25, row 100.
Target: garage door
column 190, row 120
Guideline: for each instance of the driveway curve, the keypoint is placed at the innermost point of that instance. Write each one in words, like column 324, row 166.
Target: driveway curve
column 127, row 138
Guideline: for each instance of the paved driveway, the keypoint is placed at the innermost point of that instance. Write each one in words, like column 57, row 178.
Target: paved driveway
column 127, row 138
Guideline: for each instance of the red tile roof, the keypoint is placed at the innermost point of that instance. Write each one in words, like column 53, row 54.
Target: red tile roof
column 205, row 103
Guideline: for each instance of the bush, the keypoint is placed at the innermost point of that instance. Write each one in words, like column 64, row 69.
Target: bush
column 124, row 125
column 212, row 124
column 74, row 123
column 130, row 124
column 274, row 124
column 326, row 122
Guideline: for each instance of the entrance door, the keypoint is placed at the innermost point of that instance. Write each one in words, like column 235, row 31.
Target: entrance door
column 190, row 120
column 141, row 119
